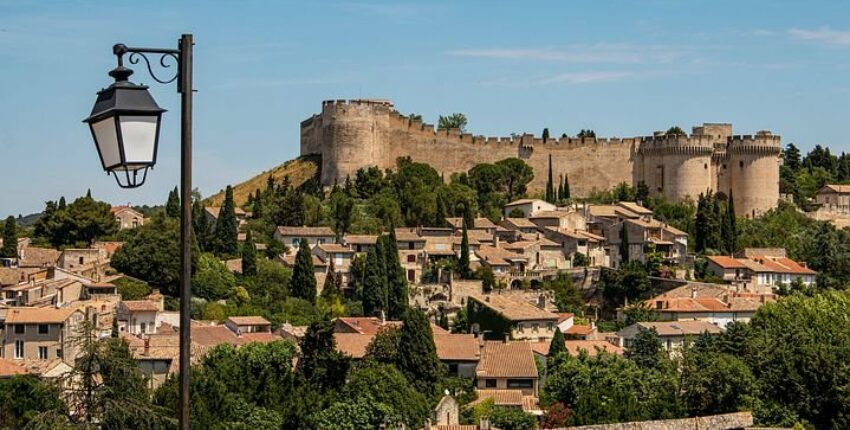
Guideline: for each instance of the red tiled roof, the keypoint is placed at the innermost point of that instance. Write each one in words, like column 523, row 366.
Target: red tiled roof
column 514, row 309
column 38, row 315
column 726, row 262
column 141, row 306
column 305, row 231
column 249, row 320
column 579, row 329
column 459, row 347
column 507, row 360
column 11, row 368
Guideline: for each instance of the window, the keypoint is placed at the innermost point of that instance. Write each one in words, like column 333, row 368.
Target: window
column 411, row 258
column 19, row 349
column 58, row 352
column 453, row 368
column 142, row 327
column 42, row 353
column 411, row 275
column 410, row 245
column 43, row 329
column 295, row 242
column 320, row 241
column 81, row 260
column 520, row 383
column 490, row 383
column 338, row 259
column 19, row 328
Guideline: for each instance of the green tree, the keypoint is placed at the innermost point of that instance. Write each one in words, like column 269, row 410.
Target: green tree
column 212, row 280
column 77, row 224
column 10, row 239
column 463, row 266
column 131, row 289
column 550, row 188
column 342, row 207
column 417, row 357
column 321, row 364
column 226, row 226
column 397, row 294
column 172, row 206
column 567, row 296
column 257, row 211
column 384, row 384
column 455, row 120
column 731, row 238
column 545, row 134
column 488, row 279
column 716, row 383
column 503, row 417
column 153, row 254
column 642, row 193
column 517, row 175
column 369, row 181
column 558, row 344
column 375, row 288
column 676, row 131
column 566, row 194
column 384, row 346
column 586, row 133
column 646, row 350
column 303, row 284
column 249, row 256
column 332, row 288
column 624, row 243
column 791, row 157
column 24, row 397
column 201, row 226
column 355, row 415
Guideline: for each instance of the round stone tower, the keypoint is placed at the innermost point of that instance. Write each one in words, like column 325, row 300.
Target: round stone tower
column 754, row 172
column 349, row 134
column 677, row 166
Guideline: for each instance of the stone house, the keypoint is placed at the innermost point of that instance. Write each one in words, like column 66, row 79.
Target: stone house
column 761, row 268
column 127, row 217
column 481, row 224
column 499, row 316
column 713, row 310
column 580, row 241
column 500, row 260
column 90, row 263
column 320, row 268
column 212, row 212
column 528, row 207
column 248, row 324
column 540, row 253
column 41, row 333
column 291, row 236
column 561, row 218
column 138, row 316
column 674, row 334
column 507, row 365
column 340, row 255
column 644, row 235
column 360, row 243
column 522, row 225
column 834, row 198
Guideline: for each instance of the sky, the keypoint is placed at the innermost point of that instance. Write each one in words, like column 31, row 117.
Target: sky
column 622, row 68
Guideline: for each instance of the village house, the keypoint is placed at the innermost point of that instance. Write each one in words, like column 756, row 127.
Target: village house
column 576, row 347
column 648, row 236
column 566, row 218
column 360, row 243
column 127, row 217
column 139, row 316
column 507, row 365
column 38, row 258
column 500, row 260
column 291, row 236
column 498, row 316
column 90, row 263
column 40, row 333
column 582, row 242
column 248, row 324
column 526, row 207
column 341, row 257
column 479, row 224
column 834, row 198
column 761, row 267
column 212, row 212
column 521, row 225
column 674, row 334
column 718, row 310
column 320, row 268
column 542, row 254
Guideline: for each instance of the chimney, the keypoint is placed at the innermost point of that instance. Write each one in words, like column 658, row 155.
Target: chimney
column 428, row 424
column 383, row 317
column 495, row 239
column 541, row 301
column 147, row 345
column 693, row 292
column 487, row 299
column 484, row 423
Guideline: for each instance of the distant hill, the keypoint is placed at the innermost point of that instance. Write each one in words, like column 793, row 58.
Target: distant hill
column 299, row 170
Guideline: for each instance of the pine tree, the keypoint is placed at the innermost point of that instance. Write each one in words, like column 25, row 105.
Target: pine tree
column 226, row 227
column 417, row 357
column 791, row 156
column 332, row 287
column 558, row 345
column 566, row 195
column 303, row 284
column 624, row 243
column 550, row 188
column 61, row 205
column 642, row 193
column 463, row 265
column 172, row 206
column 397, row 295
column 10, row 239
column 732, row 229
column 270, row 185
column 320, row 362
column 375, row 285
column 545, row 134
column 249, row 256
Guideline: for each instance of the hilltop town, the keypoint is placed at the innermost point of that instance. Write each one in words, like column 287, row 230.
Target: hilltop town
column 435, row 297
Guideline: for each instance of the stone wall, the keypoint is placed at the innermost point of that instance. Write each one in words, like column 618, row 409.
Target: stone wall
column 739, row 420
column 350, row 134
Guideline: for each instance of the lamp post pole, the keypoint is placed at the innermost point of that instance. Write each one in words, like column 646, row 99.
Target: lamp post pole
column 185, row 88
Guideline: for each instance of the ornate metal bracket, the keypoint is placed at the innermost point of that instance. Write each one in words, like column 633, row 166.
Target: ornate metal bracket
column 166, row 56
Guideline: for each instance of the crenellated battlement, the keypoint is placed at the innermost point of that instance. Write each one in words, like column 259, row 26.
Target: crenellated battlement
column 351, row 134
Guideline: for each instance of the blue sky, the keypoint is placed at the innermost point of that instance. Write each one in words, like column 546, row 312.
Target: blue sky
column 621, row 68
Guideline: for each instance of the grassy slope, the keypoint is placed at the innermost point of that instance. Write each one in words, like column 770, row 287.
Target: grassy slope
column 299, row 170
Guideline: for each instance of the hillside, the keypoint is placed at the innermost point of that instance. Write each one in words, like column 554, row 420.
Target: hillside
column 299, row 171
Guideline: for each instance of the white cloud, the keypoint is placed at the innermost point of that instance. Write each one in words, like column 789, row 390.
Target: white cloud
column 598, row 53
column 823, row 34
column 587, row 77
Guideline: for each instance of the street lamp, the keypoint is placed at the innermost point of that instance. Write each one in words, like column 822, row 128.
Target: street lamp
column 125, row 123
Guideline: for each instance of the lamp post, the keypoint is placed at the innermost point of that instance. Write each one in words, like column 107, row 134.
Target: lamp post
column 125, row 123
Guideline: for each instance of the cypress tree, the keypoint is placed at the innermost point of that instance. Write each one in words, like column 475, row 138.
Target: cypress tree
column 732, row 241
column 303, row 284
column 700, row 225
column 417, row 355
column 716, row 225
column 545, row 134
column 10, row 239
column 320, row 363
column 397, row 296
column 375, row 285
column 172, row 206
column 550, row 188
column 201, row 226
column 566, row 195
column 257, row 208
column 332, row 287
column 440, row 217
column 61, row 204
column 468, row 215
column 624, row 243
column 558, row 345
column 270, row 184
column 226, row 228
column 561, row 188
column 463, row 266
column 249, row 256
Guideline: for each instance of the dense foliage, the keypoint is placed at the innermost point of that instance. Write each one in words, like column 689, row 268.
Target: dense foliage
column 76, row 224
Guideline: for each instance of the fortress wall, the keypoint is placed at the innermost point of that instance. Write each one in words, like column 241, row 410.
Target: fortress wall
column 754, row 173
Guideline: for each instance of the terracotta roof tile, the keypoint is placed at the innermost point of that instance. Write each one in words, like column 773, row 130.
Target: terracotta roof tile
column 514, row 309
column 353, row 344
column 305, row 231
column 38, row 315
column 726, row 262
column 361, row 239
column 249, row 320
column 141, row 306
column 507, row 360
column 460, row 347
column 11, row 368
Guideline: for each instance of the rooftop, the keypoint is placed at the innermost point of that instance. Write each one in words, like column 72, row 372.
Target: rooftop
column 249, row 320
column 284, row 230
column 514, row 309
column 677, row 328
column 38, row 315
column 507, row 360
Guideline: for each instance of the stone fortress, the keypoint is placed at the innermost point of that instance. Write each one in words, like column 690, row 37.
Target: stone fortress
column 350, row 134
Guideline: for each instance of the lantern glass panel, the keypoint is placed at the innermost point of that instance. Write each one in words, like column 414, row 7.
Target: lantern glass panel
column 139, row 134
column 106, row 138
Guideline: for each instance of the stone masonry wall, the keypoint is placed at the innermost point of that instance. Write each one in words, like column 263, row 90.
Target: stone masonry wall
column 733, row 421
column 350, row 134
